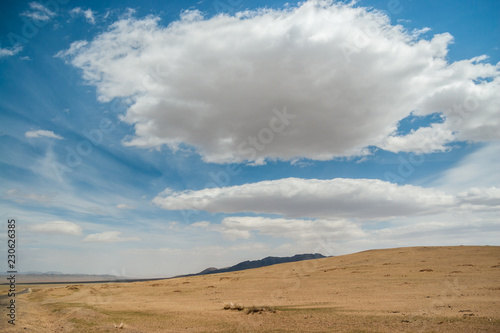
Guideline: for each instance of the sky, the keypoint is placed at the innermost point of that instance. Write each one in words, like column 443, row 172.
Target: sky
column 157, row 138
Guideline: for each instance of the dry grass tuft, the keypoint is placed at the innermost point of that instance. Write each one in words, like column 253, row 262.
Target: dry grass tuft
column 260, row 309
column 426, row 270
column 74, row 287
column 119, row 326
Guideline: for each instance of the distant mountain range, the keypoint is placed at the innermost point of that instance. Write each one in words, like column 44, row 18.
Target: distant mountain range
column 33, row 277
column 58, row 277
column 267, row 261
column 51, row 273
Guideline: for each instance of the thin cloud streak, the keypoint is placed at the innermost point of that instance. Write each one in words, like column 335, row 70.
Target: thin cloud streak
column 88, row 14
column 38, row 12
column 57, row 227
column 42, row 133
column 109, row 237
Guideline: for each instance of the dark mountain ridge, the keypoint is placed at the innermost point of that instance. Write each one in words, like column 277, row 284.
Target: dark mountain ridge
column 267, row 261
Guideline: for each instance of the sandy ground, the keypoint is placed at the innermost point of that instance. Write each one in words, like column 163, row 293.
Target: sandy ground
column 424, row 289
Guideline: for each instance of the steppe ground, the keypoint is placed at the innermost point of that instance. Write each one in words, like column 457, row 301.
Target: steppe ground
column 422, row 289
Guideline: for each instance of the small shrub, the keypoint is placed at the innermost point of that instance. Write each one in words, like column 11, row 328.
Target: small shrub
column 260, row 309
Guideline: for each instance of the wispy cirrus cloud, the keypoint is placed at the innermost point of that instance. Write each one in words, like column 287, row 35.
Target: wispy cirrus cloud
column 38, row 12
column 21, row 196
column 109, row 237
column 41, row 134
column 479, row 169
column 88, row 14
column 57, row 227
column 124, row 206
column 10, row 51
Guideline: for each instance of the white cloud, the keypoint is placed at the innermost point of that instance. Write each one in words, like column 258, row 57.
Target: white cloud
column 478, row 169
column 423, row 140
column 297, row 229
column 42, row 133
column 200, row 224
column 58, row 227
column 21, row 197
column 7, row 52
column 314, row 198
column 446, row 230
column 88, row 14
column 124, row 206
column 482, row 197
column 472, row 110
column 38, row 12
column 109, row 237
column 344, row 72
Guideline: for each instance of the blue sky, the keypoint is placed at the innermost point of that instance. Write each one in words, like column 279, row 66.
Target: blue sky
column 159, row 138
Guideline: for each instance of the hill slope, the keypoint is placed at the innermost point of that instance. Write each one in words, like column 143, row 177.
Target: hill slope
column 420, row 289
column 267, row 261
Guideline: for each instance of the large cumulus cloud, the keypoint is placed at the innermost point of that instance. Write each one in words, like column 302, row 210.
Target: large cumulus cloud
column 345, row 75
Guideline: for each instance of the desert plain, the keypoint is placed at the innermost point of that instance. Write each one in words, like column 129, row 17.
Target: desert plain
column 413, row 289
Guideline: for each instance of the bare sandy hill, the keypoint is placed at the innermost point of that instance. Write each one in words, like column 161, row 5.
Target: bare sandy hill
column 421, row 289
